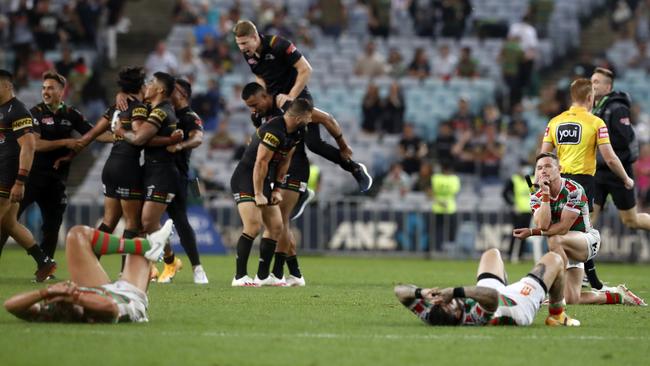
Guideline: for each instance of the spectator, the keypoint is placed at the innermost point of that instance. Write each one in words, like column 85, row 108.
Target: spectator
column 278, row 25
column 467, row 66
column 5, row 32
column 515, row 149
column 454, row 14
column 208, row 105
column 70, row 23
column 419, row 66
column 370, row 63
column 640, row 60
column 489, row 152
column 527, row 36
column 93, row 97
column 45, row 26
column 463, row 120
column 445, row 186
column 65, row 64
column 330, row 16
column 114, row 23
column 161, row 60
column 511, row 59
column 210, row 50
column 422, row 181
column 304, row 37
column 444, row 63
column 492, row 116
column 372, row 109
column 358, row 18
column 444, row 142
column 412, row 150
column 184, row 13
column 516, row 193
column 393, row 109
column 222, row 140
column 22, row 38
column 89, row 12
column 396, row 181
column 37, row 65
column 224, row 63
column 399, row 16
column 396, row 67
column 379, row 20
column 189, row 66
column 464, row 153
column 203, row 29
column 584, row 68
column 79, row 75
column 423, row 13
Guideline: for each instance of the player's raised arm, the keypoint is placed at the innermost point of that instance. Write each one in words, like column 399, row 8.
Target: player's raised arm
column 333, row 128
column 487, row 297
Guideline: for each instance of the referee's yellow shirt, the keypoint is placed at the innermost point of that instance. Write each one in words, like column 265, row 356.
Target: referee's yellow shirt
column 576, row 134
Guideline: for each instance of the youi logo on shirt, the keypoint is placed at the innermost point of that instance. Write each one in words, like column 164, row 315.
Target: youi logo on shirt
column 569, row 134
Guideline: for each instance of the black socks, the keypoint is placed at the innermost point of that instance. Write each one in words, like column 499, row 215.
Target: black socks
column 244, row 245
column 267, row 248
column 294, row 268
column 278, row 264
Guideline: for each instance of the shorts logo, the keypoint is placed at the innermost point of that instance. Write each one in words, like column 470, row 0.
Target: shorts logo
column 21, row 123
column 271, row 139
column 603, row 133
column 569, row 134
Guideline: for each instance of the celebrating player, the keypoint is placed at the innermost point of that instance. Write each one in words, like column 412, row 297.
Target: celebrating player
column 561, row 213
column 576, row 134
column 265, row 162
column 90, row 296
column 492, row 300
column 284, row 72
column 17, row 145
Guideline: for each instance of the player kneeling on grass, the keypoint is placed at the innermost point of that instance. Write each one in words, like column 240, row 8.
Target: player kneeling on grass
column 90, row 297
column 492, row 301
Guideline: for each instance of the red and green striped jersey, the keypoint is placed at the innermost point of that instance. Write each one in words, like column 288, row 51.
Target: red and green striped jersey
column 473, row 313
column 572, row 197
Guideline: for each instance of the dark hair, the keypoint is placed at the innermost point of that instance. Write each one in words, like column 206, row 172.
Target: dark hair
column 131, row 79
column 606, row 72
column 186, row 86
column 6, row 75
column 439, row 316
column 53, row 75
column 299, row 107
column 546, row 155
column 251, row 89
column 167, row 80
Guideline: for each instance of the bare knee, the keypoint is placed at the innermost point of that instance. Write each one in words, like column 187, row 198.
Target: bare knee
column 78, row 236
column 493, row 252
column 252, row 227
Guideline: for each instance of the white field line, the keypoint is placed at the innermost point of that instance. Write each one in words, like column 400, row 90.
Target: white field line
column 446, row 336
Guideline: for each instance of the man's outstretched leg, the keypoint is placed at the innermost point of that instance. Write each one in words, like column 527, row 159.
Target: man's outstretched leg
column 550, row 269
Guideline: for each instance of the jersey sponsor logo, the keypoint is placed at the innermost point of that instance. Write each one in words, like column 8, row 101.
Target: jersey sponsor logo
column 569, row 134
column 251, row 61
column 625, row 121
column 271, row 139
column 139, row 112
column 269, row 57
column 158, row 114
column 21, row 123
column 291, row 49
column 603, row 133
column 48, row 121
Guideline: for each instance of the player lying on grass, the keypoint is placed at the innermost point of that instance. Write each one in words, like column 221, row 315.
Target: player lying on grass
column 90, row 296
column 492, row 300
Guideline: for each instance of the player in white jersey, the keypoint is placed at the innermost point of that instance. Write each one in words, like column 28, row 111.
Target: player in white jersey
column 492, row 300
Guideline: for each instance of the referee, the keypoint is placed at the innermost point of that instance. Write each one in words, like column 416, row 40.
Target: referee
column 614, row 108
column 576, row 134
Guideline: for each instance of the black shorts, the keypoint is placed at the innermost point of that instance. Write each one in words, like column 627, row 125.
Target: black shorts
column 609, row 183
column 298, row 174
column 8, row 172
column 161, row 182
column 122, row 178
column 587, row 182
column 241, row 185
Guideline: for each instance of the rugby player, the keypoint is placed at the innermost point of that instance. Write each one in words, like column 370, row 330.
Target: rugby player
column 614, row 108
column 160, row 174
column 576, row 134
column 492, row 301
column 192, row 126
column 90, row 296
column 284, row 72
column 561, row 213
column 17, row 144
column 255, row 184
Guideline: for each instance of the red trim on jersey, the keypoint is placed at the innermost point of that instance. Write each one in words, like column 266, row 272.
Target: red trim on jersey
column 291, row 49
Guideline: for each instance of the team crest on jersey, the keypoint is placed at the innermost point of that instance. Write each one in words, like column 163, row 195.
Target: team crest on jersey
column 269, row 57
column 65, row 122
column 48, row 121
column 569, row 133
column 271, row 139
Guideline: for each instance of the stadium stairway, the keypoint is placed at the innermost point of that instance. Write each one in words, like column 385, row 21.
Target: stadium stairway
column 150, row 22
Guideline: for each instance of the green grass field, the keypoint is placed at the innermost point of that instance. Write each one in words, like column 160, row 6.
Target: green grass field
column 347, row 315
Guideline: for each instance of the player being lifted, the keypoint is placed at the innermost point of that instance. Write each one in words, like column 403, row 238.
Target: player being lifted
column 284, row 72
column 90, row 296
column 492, row 301
column 561, row 213
column 265, row 163
column 16, row 155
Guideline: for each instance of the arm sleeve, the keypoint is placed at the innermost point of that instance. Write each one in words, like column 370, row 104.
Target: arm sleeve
column 36, row 124
column 602, row 133
column 79, row 122
column 22, row 122
column 285, row 50
column 271, row 137
column 621, row 127
column 139, row 112
column 549, row 134
column 157, row 117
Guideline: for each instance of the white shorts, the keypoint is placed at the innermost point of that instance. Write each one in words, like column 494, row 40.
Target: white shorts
column 592, row 238
column 131, row 302
column 522, row 299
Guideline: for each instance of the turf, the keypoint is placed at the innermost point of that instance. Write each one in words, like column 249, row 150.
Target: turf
column 347, row 315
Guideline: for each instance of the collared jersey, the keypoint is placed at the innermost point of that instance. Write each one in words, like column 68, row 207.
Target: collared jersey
column 572, row 198
column 576, row 134
column 52, row 126
column 164, row 118
column 188, row 121
column 275, row 64
column 15, row 121
column 136, row 111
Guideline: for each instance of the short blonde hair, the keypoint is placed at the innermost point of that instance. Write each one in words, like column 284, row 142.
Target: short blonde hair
column 244, row 28
column 580, row 90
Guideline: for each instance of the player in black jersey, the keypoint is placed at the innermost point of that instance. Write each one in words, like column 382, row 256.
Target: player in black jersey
column 192, row 126
column 284, row 72
column 16, row 155
column 255, row 184
column 263, row 108
column 54, row 123
column 160, row 174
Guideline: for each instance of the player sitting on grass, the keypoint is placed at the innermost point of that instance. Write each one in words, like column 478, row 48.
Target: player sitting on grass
column 90, row 296
column 492, row 301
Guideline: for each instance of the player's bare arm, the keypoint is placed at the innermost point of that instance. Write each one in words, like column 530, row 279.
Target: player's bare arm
column 614, row 163
column 260, row 170
column 42, row 145
column 175, row 138
column 547, row 147
column 334, row 129
column 195, row 139
column 567, row 218
column 140, row 137
column 304, row 73
column 27, row 147
column 487, row 297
